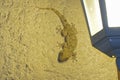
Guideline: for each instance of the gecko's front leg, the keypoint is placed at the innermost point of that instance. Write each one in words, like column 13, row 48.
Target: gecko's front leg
column 74, row 58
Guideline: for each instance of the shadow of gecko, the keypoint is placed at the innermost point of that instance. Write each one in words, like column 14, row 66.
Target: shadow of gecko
column 69, row 33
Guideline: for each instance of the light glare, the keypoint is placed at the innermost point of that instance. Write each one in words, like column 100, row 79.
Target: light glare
column 113, row 12
column 93, row 16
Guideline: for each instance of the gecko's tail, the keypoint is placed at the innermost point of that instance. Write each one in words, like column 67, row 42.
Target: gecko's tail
column 61, row 17
column 52, row 9
column 45, row 8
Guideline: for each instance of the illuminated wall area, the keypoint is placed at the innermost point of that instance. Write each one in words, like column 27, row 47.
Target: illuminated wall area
column 32, row 37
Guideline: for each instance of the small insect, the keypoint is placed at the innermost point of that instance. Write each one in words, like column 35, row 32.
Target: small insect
column 69, row 33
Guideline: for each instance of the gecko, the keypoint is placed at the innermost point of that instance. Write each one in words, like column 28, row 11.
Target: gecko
column 69, row 33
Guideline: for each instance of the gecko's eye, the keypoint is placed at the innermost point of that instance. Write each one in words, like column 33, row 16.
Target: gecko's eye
column 60, row 54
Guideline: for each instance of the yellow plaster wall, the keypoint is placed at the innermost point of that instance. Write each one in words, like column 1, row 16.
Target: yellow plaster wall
column 29, row 43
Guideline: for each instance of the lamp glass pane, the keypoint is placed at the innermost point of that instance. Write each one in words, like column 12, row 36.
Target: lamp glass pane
column 92, row 10
column 113, row 12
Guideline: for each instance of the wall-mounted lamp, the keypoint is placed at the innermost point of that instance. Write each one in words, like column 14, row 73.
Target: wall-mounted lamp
column 103, row 20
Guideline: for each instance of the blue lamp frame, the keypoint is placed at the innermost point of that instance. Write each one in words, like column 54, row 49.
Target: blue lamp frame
column 108, row 39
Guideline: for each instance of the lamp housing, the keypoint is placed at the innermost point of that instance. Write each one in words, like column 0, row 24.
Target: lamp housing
column 103, row 21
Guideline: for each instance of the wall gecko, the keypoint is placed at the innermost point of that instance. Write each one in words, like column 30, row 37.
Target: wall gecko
column 69, row 33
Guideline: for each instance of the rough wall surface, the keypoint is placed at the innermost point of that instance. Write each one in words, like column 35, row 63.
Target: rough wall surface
column 29, row 43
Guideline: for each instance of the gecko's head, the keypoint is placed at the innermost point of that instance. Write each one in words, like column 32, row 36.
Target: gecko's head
column 62, row 57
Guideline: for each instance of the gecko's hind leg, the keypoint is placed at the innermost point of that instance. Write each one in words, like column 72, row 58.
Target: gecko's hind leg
column 59, row 29
column 64, row 33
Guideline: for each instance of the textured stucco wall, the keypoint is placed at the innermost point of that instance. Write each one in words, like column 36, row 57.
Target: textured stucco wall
column 29, row 43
